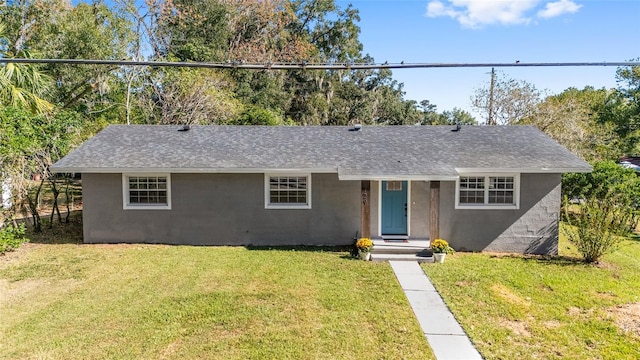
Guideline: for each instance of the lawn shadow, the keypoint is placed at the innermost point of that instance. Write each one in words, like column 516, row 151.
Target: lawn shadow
column 559, row 260
column 306, row 248
column 60, row 233
column 348, row 252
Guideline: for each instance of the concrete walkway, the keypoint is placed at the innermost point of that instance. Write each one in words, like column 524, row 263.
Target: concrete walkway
column 444, row 334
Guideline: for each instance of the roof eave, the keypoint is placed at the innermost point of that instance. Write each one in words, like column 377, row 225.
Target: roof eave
column 392, row 177
column 117, row 170
column 527, row 170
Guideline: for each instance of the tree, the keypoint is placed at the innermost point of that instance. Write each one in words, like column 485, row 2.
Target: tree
column 30, row 144
column 607, row 180
column 573, row 118
column 22, row 85
column 87, row 31
column 333, row 31
column 622, row 109
column 189, row 96
column 506, row 101
column 430, row 116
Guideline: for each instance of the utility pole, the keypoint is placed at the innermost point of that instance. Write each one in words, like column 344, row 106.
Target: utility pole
column 493, row 83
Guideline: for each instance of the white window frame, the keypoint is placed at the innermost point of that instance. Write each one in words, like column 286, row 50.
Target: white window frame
column 126, row 205
column 267, row 192
column 486, row 205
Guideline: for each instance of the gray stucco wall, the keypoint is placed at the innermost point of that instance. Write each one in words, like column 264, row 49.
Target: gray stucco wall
column 419, row 209
column 531, row 229
column 222, row 209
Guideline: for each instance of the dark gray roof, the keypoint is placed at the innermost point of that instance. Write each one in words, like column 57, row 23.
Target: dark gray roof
column 374, row 152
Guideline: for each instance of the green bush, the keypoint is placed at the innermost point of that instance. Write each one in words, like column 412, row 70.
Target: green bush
column 11, row 237
column 606, row 179
column 600, row 226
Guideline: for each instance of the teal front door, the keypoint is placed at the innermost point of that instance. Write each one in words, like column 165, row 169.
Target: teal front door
column 394, row 208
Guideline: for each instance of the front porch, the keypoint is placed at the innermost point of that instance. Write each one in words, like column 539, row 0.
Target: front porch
column 415, row 221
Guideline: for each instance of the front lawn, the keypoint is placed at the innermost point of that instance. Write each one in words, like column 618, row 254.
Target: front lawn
column 68, row 301
column 516, row 307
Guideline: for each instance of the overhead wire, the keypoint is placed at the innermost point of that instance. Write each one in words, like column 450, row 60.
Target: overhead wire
column 310, row 66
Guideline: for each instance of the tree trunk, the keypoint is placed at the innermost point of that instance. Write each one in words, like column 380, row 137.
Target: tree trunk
column 33, row 208
column 66, row 197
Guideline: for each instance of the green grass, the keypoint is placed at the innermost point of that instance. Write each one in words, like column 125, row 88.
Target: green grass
column 69, row 301
column 546, row 308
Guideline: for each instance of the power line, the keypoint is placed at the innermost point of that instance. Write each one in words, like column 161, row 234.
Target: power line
column 308, row 66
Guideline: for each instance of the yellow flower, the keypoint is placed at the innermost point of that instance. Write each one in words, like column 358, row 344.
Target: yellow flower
column 441, row 246
column 364, row 244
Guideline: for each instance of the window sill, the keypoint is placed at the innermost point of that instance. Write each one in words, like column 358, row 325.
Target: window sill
column 287, row 207
column 487, row 207
column 147, row 207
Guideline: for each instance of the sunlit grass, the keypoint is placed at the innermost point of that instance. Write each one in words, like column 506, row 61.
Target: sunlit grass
column 541, row 307
column 68, row 301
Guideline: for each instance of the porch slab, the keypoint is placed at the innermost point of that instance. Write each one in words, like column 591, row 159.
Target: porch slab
column 378, row 257
column 411, row 243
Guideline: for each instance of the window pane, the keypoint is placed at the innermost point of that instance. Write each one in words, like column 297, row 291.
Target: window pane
column 394, row 186
column 501, row 197
column 504, row 182
column 148, row 190
column 501, row 190
column 471, row 182
column 288, row 190
column 471, row 197
column 472, row 190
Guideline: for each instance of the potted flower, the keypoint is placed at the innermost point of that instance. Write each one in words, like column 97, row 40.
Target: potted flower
column 364, row 246
column 440, row 248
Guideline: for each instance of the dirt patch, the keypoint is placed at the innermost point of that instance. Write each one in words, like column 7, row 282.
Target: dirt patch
column 170, row 350
column 627, row 317
column 17, row 292
column 606, row 295
column 465, row 283
column 576, row 311
column 506, row 294
column 13, row 256
column 607, row 266
column 519, row 328
column 551, row 324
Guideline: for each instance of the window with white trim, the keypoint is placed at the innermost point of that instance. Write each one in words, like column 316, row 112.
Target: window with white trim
column 287, row 191
column 488, row 191
column 146, row 191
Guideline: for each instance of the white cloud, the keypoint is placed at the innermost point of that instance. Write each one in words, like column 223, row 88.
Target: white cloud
column 477, row 13
column 558, row 8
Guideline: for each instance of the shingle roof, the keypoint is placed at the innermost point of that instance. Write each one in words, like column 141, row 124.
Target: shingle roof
column 374, row 152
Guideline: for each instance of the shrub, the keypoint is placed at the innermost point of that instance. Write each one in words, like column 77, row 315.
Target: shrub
column 11, row 237
column 600, row 226
column 607, row 178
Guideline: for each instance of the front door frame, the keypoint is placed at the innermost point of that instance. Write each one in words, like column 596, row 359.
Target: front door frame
column 380, row 207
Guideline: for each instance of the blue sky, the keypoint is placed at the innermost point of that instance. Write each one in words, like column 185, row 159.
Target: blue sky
column 466, row 31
